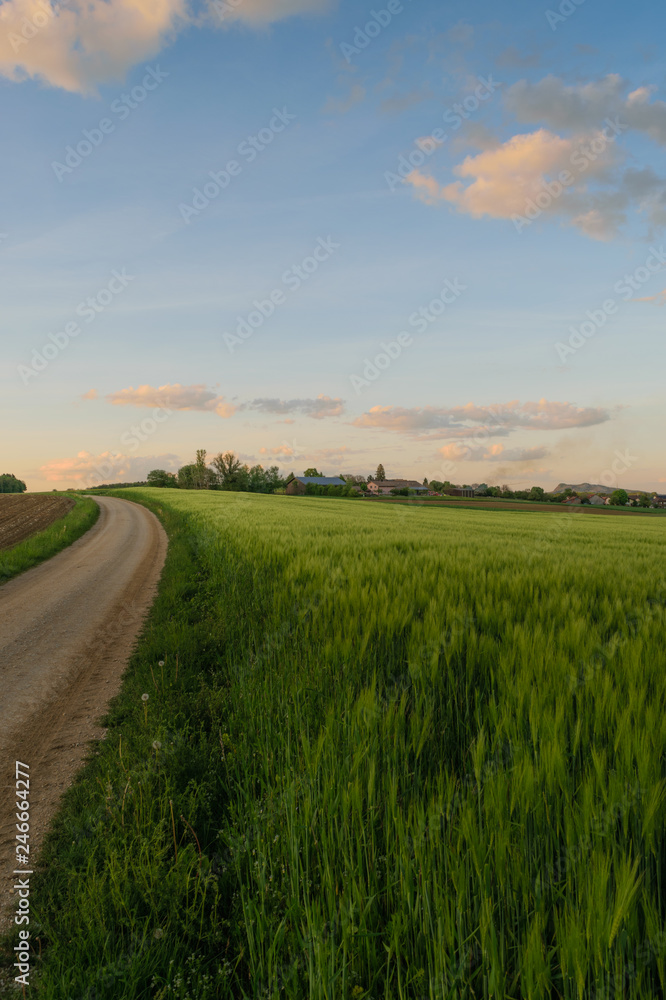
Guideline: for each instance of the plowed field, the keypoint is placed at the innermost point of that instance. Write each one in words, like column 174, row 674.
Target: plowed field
column 24, row 515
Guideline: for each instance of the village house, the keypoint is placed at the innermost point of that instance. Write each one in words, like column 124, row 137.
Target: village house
column 659, row 500
column 597, row 500
column 298, row 483
column 378, row 487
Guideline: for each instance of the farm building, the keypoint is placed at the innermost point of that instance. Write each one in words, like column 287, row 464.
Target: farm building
column 376, row 487
column 456, row 491
column 572, row 501
column 597, row 501
column 659, row 500
column 298, row 483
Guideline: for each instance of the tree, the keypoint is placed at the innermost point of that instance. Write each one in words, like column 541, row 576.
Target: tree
column 187, row 477
column 231, row 473
column 645, row 500
column 425, row 481
column 380, row 475
column 158, row 477
column 203, row 475
column 536, row 493
column 619, row 498
column 312, row 472
column 262, row 480
column 10, row 484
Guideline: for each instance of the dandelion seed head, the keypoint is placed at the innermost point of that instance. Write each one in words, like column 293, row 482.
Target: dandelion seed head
column 145, row 697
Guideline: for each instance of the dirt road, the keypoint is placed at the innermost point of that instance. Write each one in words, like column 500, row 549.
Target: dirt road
column 67, row 628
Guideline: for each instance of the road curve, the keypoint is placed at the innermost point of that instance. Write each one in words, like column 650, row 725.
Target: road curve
column 67, row 628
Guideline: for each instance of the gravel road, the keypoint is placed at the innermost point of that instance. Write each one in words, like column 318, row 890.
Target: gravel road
column 67, row 628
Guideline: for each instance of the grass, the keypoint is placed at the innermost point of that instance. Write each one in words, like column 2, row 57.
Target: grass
column 388, row 752
column 49, row 542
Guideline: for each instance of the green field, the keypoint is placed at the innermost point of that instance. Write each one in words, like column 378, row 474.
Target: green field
column 388, row 752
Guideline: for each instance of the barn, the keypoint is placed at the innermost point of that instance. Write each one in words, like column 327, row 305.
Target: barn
column 297, row 485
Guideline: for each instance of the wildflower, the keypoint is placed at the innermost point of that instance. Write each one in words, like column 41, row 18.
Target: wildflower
column 158, row 933
column 160, row 663
column 145, row 697
column 157, row 745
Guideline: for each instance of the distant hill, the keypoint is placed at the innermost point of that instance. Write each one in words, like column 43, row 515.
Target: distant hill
column 583, row 488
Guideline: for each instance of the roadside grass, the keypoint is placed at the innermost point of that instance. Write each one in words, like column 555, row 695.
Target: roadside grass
column 387, row 754
column 50, row 541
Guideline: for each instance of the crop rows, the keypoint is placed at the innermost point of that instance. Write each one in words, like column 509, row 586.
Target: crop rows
column 22, row 516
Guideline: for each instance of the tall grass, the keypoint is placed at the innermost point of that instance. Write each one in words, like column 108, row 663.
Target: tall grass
column 420, row 752
column 50, row 541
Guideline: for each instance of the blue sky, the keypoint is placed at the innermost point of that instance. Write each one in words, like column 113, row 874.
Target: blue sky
column 492, row 382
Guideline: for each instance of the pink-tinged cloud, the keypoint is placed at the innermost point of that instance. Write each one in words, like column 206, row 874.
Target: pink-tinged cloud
column 494, row 453
column 541, row 175
column 173, row 397
column 515, row 181
column 84, row 42
column 283, row 451
column 91, row 394
column 482, row 421
column 518, row 179
column 88, row 470
column 659, row 299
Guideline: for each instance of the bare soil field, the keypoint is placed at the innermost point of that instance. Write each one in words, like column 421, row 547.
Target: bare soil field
column 24, row 515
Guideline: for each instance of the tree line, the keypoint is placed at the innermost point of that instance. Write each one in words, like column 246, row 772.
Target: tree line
column 10, row 484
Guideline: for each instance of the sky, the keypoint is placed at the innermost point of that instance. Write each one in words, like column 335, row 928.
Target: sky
column 335, row 234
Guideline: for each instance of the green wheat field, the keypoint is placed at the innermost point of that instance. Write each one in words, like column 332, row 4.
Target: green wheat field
column 388, row 753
